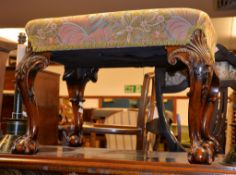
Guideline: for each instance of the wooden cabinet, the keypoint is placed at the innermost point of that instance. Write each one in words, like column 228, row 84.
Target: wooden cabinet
column 3, row 59
column 47, row 95
column 7, row 109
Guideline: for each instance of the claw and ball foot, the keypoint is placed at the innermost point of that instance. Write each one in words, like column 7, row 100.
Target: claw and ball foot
column 202, row 154
column 25, row 145
column 75, row 140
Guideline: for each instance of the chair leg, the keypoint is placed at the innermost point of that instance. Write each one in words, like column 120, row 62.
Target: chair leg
column 204, row 87
column 218, row 127
column 25, row 76
column 76, row 79
column 164, row 130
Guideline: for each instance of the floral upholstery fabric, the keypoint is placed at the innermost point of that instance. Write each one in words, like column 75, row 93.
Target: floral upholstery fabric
column 150, row 27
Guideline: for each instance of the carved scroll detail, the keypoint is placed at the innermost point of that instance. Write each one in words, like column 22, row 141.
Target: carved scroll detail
column 203, row 92
column 196, row 49
column 25, row 76
column 33, row 62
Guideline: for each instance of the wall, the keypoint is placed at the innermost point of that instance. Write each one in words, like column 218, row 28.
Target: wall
column 224, row 27
column 111, row 82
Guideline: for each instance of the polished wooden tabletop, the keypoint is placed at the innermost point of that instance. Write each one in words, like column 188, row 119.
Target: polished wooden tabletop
column 105, row 161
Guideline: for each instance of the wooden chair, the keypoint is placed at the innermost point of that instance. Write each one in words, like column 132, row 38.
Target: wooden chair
column 125, row 117
column 129, row 127
column 121, row 126
column 148, row 117
column 231, row 132
column 158, row 121
column 226, row 67
column 128, row 122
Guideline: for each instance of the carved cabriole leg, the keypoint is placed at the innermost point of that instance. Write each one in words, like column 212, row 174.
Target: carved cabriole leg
column 76, row 79
column 25, row 76
column 204, row 87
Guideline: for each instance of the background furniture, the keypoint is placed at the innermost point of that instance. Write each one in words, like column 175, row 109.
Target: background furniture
column 226, row 67
column 47, row 99
column 114, row 125
column 3, row 58
column 5, row 47
column 126, row 117
column 234, row 116
column 120, row 123
column 230, row 158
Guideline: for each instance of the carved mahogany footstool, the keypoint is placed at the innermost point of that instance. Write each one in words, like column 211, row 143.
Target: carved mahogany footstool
column 169, row 39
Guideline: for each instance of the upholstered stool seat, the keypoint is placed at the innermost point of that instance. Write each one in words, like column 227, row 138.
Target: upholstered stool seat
column 169, row 39
column 137, row 28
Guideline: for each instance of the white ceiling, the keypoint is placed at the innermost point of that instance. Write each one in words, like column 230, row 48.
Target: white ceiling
column 15, row 13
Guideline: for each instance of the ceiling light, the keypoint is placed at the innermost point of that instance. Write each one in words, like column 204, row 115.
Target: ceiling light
column 11, row 33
